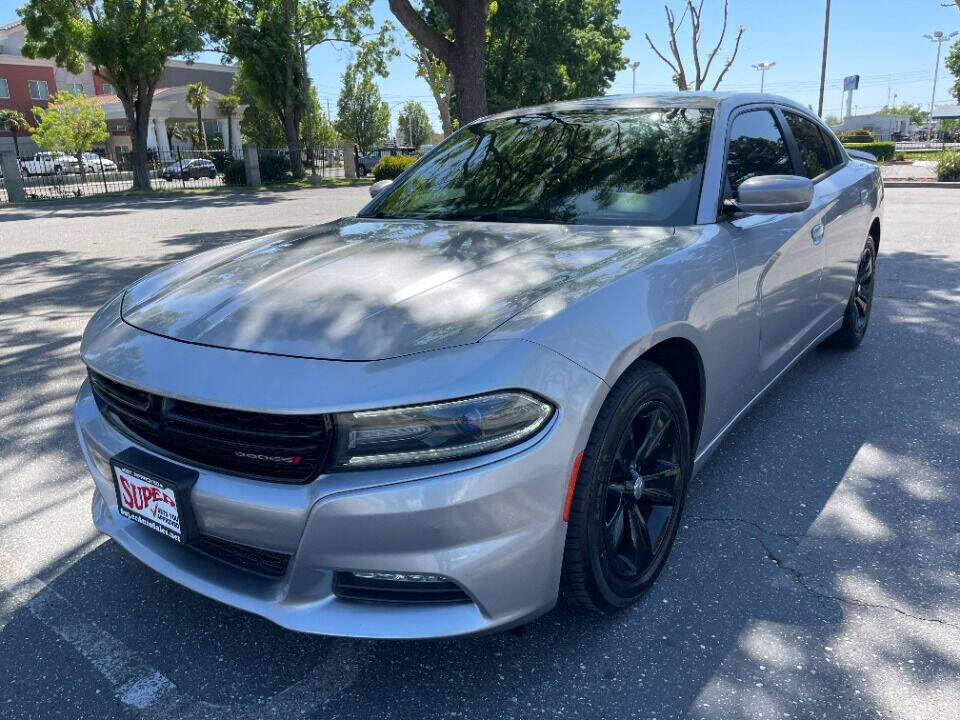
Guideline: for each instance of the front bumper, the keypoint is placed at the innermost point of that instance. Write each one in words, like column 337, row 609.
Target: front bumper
column 492, row 525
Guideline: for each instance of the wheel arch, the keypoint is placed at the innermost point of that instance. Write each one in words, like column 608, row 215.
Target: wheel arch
column 875, row 233
column 681, row 359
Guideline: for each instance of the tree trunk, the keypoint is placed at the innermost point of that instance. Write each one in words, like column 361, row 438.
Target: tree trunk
column 16, row 145
column 291, row 118
column 230, row 133
column 200, row 131
column 83, row 168
column 138, row 118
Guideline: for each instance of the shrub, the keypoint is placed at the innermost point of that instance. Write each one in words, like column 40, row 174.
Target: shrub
column 901, row 156
column 391, row 166
column 880, row 150
column 857, row 136
column 274, row 167
column 235, row 173
column 948, row 166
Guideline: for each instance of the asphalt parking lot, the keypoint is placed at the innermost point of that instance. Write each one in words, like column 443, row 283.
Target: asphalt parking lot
column 816, row 574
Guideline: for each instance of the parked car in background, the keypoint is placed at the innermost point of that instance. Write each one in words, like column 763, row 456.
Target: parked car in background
column 366, row 162
column 496, row 380
column 189, row 169
column 50, row 163
column 96, row 163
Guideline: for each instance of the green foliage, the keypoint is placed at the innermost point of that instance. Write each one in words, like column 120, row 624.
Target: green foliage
column 953, row 65
column 127, row 48
column 363, row 119
column 274, row 167
column 316, row 128
column 235, row 173
column 900, row 157
column 857, row 136
column 544, row 50
column 915, row 112
column 881, row 150
column 831, row 119
column 70, row 123
column 391, row 166
column 414, row 124
column 15, row 123
column 948, row 166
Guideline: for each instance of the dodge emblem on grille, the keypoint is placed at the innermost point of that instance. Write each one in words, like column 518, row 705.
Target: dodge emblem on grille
column 288, row 459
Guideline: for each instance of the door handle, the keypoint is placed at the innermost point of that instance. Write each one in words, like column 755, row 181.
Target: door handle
column 863, row 197
column 817, row 233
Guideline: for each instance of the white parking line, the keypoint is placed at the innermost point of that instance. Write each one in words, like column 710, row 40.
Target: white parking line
column 153, row 696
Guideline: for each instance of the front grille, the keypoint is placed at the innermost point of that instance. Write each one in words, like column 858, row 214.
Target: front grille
column 264, row 562
column 287, row 448
column 348, row 586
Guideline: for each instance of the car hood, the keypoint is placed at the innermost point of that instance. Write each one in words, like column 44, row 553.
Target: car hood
column 363, row 289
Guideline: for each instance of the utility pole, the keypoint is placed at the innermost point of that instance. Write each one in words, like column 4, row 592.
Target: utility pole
column 633, row 66
column 823, row 63
column 763, row 67
column 939, row 38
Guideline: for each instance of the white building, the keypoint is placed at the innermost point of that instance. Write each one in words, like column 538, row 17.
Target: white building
column 884, row 127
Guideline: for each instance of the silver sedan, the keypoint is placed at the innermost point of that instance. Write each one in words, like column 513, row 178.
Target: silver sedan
column 491, row 385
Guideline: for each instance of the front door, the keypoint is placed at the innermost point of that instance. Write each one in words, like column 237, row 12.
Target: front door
column 779, row 257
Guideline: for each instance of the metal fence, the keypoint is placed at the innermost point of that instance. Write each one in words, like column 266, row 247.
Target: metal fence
column 101, row 173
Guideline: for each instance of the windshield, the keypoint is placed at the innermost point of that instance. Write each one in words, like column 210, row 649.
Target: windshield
column 640, row 167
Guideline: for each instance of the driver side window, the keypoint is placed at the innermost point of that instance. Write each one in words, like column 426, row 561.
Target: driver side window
column 757, row 147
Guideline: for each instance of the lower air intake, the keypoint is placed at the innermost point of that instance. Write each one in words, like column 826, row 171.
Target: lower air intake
column 351, row 586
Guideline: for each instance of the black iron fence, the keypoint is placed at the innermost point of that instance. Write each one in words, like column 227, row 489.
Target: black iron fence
column 56, row 175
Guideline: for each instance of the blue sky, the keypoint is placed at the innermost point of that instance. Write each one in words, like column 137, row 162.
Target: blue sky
column 881, row 40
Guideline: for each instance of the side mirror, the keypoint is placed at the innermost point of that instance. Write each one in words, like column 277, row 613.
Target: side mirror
column 773, row 194
column 379, row 186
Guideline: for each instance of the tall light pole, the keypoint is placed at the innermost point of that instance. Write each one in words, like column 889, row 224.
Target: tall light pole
column 633, row 66
column 939, row 38
column 763, row 67
column 823, row 63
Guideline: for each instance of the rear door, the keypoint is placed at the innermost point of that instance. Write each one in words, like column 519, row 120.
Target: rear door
column 780, row 257
column 844, row 218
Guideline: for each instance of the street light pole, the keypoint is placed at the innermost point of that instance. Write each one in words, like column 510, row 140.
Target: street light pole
column 823, row 63
column 939, row 38
column 763, row 67
column 633, row 66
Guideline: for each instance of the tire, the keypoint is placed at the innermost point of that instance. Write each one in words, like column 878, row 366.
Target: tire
column 607, row 565
column 856, row 316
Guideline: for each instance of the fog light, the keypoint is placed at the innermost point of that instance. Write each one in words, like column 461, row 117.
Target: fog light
column 100, row 462
column 399, row 577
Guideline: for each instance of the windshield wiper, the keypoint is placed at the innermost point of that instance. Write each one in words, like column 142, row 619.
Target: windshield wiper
column 500, row 216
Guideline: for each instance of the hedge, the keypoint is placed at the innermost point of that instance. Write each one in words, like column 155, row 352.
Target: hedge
column 880, row 150
column 391, row 166
column 857, row 136
column 948, row 166
column 235, row 173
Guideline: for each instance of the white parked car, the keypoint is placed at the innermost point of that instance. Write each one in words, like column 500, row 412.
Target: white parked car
column 95, row 163
column 50, row 163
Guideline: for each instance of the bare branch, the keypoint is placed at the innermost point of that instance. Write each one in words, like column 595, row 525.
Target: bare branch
column 674, row 48
column 695, row 38
column 723, row 34
column 730, row 60
column 660, row 54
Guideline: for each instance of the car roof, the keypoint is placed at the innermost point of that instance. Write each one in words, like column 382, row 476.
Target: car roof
column 666, row 100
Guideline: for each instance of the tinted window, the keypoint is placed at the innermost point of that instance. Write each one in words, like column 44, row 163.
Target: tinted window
column 815, row 155
column 756, row 147
column 594, row 166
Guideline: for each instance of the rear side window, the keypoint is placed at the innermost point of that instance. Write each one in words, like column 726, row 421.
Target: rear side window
column 756, row 148
column 816, row 155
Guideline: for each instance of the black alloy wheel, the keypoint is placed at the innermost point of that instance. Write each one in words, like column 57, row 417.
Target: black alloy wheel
column 859, row 306
column 629, row 493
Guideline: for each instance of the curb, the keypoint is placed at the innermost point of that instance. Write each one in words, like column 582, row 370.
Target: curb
column 887, row 184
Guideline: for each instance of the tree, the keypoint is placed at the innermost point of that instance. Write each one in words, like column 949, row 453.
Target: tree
column 701, row 70
column 228, row 106
column 953, row 65
column 431, row 69
column 363, row 119
column 270, row 40
column 197, row 99
column 414, row 124
column 916, row 112
column 15, row 123
column 128, row 42
column 831, row 119
column 463, row 49
column 70, row 124
column 539, row 51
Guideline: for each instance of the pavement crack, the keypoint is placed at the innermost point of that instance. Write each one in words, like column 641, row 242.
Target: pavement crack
column 801, row 580
column 795, row 539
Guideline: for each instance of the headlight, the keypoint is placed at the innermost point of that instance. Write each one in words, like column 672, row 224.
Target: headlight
column 440, row 431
